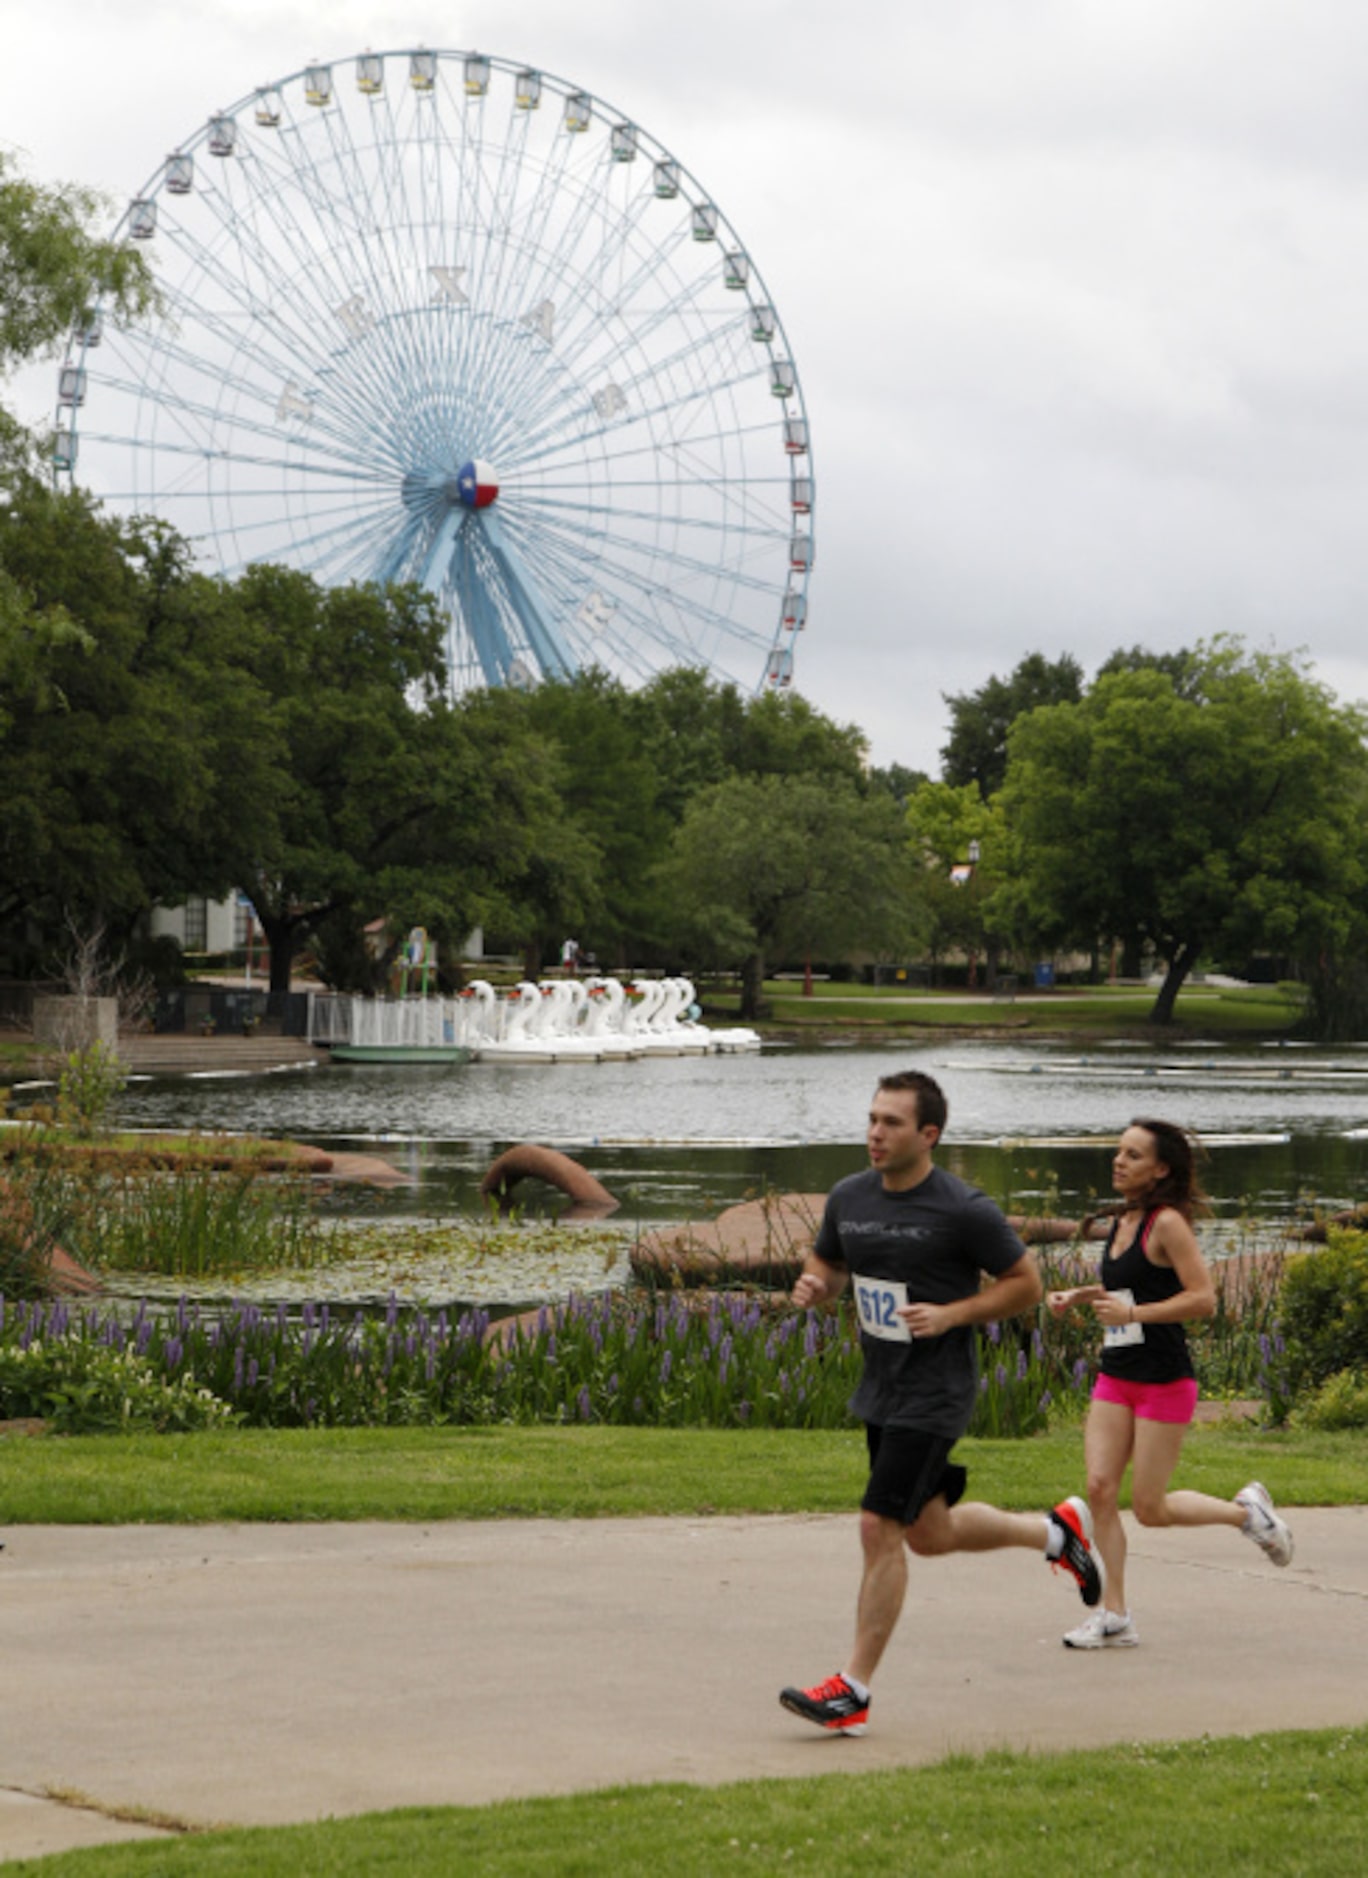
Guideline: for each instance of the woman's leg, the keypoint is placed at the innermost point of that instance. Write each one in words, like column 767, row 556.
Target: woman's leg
column 1107, row 1443
column 1157, row 1446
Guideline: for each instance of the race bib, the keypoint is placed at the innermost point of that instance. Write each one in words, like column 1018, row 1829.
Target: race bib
column 877, row 1302
column 1122, row 1336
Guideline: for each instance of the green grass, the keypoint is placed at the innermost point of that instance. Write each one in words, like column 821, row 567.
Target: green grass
column 496, row 1473
column 1270, row 1804
column 1102, row 1010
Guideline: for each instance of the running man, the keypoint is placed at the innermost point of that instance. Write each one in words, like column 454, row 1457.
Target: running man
column 915, row 1243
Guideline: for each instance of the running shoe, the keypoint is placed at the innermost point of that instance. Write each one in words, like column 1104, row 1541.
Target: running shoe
column 1262, row 1524
column 1074, row 1520
column 831, row 1704
column 1104, row 1630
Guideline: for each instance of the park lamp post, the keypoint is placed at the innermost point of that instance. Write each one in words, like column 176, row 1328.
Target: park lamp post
column 961, row 874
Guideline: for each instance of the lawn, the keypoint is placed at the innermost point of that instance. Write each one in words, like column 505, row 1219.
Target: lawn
column 595, row 1472
column 1102, row 1010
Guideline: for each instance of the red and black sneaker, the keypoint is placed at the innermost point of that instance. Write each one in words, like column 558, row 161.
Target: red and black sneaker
column 1073, row 1520
column 831, row 1704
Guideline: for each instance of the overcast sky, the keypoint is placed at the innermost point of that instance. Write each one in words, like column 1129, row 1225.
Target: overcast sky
column 1078, row 292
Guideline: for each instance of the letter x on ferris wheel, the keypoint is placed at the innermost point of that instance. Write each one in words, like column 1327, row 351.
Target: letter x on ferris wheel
column 436, row 317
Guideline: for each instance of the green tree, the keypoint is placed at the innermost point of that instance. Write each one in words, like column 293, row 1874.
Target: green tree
column 129, row 722
column 957, row 841
column 1223, row 819
column 52, row 268
column 981, row 720
column 609, row 793
column 787, row 865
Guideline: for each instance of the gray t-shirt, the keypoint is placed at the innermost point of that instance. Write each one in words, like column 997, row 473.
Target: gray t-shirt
column 936, row 1240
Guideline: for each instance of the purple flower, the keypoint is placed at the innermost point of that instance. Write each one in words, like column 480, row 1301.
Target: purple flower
column 994, row 1331
column 585, row 1412
column 666, row 1365
column 1021, row 1366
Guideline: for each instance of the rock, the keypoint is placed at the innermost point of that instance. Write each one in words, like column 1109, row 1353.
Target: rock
column 758, row 1242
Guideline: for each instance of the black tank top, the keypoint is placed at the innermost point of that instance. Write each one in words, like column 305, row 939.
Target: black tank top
column 1159, row 1352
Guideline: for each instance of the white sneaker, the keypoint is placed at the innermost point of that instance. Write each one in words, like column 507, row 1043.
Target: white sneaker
column 1104, row 1630
column 1262, row 1524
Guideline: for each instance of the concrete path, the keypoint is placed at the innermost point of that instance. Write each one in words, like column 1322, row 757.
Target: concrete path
column 258, row 1674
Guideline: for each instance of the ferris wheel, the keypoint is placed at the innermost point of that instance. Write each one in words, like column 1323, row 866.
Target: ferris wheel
column 437, row 317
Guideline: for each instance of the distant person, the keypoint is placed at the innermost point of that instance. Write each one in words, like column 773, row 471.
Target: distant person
column 914, row 1243
column 1153, row 1279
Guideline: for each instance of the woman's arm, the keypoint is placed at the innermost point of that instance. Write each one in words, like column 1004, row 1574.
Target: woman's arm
column 1061, row 1302
column 1173, row 1239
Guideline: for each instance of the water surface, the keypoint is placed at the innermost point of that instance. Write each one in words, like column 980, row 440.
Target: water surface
column 675, row 1137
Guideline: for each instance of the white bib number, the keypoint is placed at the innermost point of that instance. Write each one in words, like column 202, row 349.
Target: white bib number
column 877, row 1302
column 1122, row 1336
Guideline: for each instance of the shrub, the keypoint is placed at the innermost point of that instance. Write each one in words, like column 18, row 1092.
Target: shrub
column 1340, row 1402
column 91, row 1082
column 82, row 1387
column 1323, row 1306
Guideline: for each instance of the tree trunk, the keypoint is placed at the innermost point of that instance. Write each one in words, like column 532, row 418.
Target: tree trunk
column 280, row 936
column 1182, row 962
column 753, row 987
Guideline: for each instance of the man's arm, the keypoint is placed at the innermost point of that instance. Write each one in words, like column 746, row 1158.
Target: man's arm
column 1017, row 1290
column 818, row 1283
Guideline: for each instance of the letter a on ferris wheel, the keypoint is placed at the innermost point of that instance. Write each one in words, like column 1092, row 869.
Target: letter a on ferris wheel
column 436, row 317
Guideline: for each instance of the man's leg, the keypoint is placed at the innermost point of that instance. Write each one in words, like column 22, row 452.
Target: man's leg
column 974, row 1527
column 882, row 1590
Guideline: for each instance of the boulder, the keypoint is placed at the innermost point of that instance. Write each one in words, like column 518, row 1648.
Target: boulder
column 758, row 1242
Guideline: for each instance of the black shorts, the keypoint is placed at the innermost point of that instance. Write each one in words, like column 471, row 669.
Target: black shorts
column 906, row 1469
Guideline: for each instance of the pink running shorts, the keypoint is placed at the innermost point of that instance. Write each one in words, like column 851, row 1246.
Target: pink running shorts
column 1150, row 1401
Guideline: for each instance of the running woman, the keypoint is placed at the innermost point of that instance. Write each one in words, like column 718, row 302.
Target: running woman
column 1153, row 1281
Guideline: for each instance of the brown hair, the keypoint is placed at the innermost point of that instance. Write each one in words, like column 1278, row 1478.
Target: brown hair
column 1179, row 1187
column 932, row 1108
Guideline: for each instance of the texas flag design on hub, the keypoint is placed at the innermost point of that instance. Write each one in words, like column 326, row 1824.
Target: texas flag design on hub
column 477, row 485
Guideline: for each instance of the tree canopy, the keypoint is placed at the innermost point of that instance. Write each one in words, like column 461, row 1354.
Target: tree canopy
column 976, row 751
column 1216, row 814
column 52, row 267
column 804, row 866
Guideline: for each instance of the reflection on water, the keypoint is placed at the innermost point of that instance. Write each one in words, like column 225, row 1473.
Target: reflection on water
column 679, row 1136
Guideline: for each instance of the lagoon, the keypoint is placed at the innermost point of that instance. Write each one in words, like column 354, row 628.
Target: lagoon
column 679, row 1137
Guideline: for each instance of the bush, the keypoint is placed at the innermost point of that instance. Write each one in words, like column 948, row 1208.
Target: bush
column 81, row 1387
column 1323, row 1306
column 91, row 1082
column 1340, row 1402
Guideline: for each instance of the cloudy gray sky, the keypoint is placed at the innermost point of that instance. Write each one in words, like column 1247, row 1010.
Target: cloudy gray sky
column 1078, row 291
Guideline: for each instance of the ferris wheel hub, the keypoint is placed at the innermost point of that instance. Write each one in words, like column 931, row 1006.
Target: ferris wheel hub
column 477, row 484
